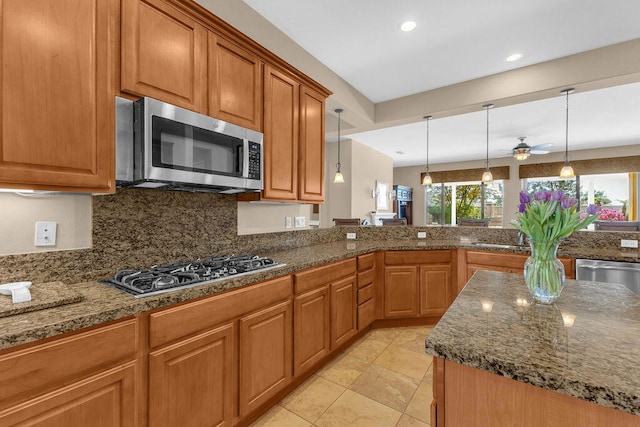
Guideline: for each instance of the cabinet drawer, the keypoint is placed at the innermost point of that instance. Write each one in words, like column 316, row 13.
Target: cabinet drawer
column 316, row 277
column 365, row 294
column 366, row 313
column 365, row 262
column 417, row 257
column 497, row 259
column 184, row 320
column 48, row 365
column 366, row 278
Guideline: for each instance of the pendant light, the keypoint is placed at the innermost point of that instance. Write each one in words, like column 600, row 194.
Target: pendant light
column 427, row 178
column 487, row 176
column 567, row 170
column 339, row 178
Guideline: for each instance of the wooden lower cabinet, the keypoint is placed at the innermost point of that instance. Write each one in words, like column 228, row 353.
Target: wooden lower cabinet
column 435, row 289
column 312, row 333
column 343, row 311
column 107, row 399
column 400, row 291
column 194, row 380
column 469, row 397
column 86, row 378
column 265, row 355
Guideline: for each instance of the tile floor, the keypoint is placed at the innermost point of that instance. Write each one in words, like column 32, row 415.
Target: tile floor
column 383, row 379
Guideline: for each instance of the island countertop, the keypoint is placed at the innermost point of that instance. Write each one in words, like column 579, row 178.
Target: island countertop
column 586, row 345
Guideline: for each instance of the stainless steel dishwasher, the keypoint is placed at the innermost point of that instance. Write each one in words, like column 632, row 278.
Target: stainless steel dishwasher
column 625, row 273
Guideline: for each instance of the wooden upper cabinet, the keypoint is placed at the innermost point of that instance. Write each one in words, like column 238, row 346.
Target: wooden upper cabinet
column 281, row 114
column 164, row 54
column 57, row 94
column 311, row 155
column 235, row 84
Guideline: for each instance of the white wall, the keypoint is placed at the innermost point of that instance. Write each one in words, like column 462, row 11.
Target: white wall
column 410, row 176
column 20, row 213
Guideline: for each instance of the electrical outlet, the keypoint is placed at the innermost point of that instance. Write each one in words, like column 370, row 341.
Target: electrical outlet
column 422, row 234
column 629, row 243
column 46, row 233
column 351, row 236
column 299, row 221
column 287, row 222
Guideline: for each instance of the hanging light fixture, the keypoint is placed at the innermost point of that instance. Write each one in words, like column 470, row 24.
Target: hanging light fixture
column 339, row 178
column 487, row 176
column 567, row 170
column 427, row 178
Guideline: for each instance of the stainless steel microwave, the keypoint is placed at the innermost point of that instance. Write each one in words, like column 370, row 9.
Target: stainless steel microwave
column 159, row 145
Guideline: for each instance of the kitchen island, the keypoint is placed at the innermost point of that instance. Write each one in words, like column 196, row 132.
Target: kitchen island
column 501, row 359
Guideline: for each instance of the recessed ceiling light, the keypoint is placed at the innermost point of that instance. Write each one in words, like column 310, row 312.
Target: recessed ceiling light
column 408, row 26
column 514, row 57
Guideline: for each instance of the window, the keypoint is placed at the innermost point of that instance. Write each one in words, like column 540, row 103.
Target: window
column 613, row 192
column 448, row 201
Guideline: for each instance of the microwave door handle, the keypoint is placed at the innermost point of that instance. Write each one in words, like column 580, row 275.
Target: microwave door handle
column 245, row 158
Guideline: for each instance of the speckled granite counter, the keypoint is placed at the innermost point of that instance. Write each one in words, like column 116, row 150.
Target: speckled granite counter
column 102, row 303
column 586, row 345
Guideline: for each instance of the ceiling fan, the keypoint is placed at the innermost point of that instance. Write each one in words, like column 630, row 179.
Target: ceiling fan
column 523, row 150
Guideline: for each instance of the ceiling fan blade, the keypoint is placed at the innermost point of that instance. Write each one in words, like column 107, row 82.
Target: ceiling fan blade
column 542, row 146
column 539, row 151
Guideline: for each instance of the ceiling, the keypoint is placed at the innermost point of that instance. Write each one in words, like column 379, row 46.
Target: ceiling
column 457, row 41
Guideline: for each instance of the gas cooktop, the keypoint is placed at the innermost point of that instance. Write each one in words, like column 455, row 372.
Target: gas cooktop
column 160, row 279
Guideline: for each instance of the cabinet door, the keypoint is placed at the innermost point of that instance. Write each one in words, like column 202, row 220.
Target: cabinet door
column 265, row 355
column 400, row 291
column 235, row 84
column 194, row 380
column 343, row 311
column 56, row 95
column 163, row 54
column 311, row 322
column 281, row 106
column 107, row 399
column 311, row 156
column 435, row 285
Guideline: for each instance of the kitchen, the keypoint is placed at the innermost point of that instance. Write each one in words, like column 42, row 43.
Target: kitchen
column 142, row 228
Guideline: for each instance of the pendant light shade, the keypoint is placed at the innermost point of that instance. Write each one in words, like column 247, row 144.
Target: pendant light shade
column 487, row 176
column 567, row 170
column 339, row 178
column 427, row 178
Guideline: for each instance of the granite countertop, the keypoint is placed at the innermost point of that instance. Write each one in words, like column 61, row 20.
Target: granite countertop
column 101, row 303
column 586, row 345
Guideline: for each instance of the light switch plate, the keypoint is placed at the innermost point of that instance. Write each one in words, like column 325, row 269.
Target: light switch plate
column 629, row 243
column 422, row 234
column 351, row 236
column 299, row 221
column 287, row 222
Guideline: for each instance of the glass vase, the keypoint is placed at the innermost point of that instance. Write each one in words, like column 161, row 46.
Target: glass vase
column 543, row 272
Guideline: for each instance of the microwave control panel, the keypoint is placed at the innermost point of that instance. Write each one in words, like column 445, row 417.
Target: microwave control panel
column 254, row 160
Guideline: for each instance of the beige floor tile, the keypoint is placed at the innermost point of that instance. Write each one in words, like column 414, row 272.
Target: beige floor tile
column 411, row 339
column 368, row 349
column 404, row 361
column 278, row 417
column 354, row 410
column 386, row 386
column 343, row 370
column 312, row 398
column 420, row 406
column 407, row 421
column 385, row 335
column 428, row 376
